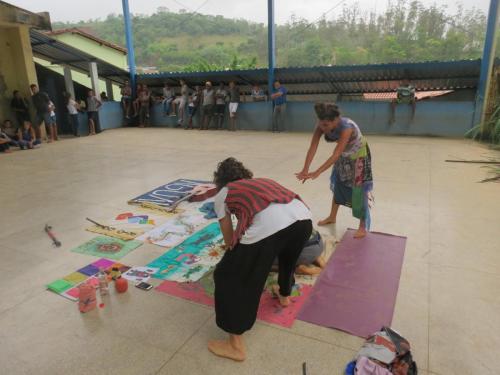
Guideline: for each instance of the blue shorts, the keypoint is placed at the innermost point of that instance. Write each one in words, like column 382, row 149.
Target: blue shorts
column 52, row 120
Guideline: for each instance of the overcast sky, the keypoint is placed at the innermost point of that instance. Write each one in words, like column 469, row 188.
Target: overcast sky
column 255, row 10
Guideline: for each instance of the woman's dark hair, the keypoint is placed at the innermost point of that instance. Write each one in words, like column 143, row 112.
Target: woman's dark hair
column 230, row 170
column 326, row 111
column 15, row 92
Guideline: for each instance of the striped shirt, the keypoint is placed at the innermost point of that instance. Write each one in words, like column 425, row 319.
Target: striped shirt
column 246, row 198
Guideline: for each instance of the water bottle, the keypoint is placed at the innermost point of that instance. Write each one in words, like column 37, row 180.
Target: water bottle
column 103, row 283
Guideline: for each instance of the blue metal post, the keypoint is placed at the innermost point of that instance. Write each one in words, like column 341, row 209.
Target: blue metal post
column 130, row 44
column 271, row 45
column 486, row 63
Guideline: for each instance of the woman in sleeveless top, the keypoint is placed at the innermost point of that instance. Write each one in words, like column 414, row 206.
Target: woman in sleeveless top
column 351, row 180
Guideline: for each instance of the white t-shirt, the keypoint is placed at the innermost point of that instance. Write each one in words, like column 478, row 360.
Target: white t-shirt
column 51, row 107
column 267, row 222
column 168, row 93
column 72, row 107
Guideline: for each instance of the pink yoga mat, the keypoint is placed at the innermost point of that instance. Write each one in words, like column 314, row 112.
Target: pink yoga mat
column 357, row 290
column 269, row 309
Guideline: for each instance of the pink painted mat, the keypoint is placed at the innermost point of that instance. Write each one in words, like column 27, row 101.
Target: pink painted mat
column 357, row 290
column 270, row 310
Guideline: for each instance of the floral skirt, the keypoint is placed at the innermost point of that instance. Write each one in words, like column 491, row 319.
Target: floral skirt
column 352, row 182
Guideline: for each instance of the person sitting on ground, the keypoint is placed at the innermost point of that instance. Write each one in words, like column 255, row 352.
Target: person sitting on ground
column 27, row 137
column 126, row 92
column 258, row 94
column 9, row 130
column 405, row 95
column 144, row 102
column 272, row 222
column 168, row 98
column 6, row 141
column 20, row 106
column 208, row 105
column 234, row 101
column 220, row 105
column 4, row 146
column 194, row 103
column 93, row 105
column 52, row 125
column 10, row 141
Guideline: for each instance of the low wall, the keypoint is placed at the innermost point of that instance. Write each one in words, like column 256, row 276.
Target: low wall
column 439, row 118
column 110, row 117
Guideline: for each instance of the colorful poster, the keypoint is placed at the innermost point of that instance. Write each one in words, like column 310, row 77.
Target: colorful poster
column 269, row 311
column 67, row 286
column 130, row 224
column 137, row 274
column 108, row 247
column 175, row 230
column 193, row 258
column 167, row 195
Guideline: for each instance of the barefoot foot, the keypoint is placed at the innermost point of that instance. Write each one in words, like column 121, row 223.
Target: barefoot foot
column 320, row 261
column 360, row 233
column 284, row 301
column 307, row 270
column 223, row 348
column 328, row 220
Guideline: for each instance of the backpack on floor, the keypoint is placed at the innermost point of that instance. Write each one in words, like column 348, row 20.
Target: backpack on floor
column 386, row 350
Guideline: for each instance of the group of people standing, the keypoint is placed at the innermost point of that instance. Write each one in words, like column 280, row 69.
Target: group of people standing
column 212, row 104
column 27, row 134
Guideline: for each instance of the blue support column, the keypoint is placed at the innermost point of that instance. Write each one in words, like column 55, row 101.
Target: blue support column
column 486, row 63
column 130, row 44
column 271, row 45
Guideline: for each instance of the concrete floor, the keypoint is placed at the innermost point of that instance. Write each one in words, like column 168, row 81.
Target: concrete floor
column 447, row 306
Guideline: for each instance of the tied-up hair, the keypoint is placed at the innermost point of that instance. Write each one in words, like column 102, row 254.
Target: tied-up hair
column 327, row 111
column 230, row 170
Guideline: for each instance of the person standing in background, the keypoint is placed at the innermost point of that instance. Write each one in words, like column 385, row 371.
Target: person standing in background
column 52, row 125
column 168, row 98
column 41, row 102
column 208, row 105
column 126, row 92
column 220, row 105
column 183, row 102
column 20, row 106
column 73, row 107
column 279, row 105
column 93, row 105
column 234, row 100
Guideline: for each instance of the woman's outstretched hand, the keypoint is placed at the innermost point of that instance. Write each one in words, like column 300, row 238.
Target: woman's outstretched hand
column 313, row 175
column 302, row 175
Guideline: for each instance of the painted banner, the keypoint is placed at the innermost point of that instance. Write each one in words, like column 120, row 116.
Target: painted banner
column 193, row 258
column 167, row 195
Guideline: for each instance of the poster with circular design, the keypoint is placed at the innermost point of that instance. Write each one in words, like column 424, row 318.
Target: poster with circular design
column 107, row 247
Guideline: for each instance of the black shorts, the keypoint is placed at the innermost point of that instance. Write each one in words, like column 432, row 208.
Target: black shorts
column 92, row 115
column 208, row 110
column 220, row 109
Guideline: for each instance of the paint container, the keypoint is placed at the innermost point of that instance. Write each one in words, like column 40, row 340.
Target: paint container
column 87, row 299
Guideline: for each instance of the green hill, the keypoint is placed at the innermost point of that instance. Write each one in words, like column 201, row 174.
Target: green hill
column 406, row 31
